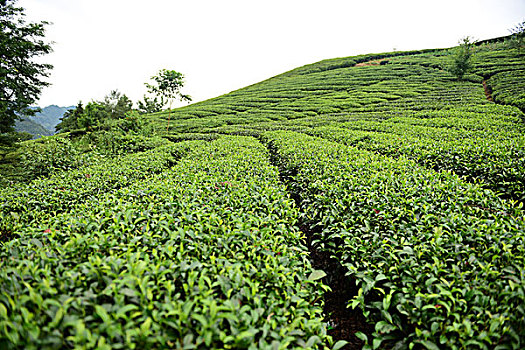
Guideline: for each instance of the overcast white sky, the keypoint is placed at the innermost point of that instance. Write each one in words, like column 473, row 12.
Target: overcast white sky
column 220, row 46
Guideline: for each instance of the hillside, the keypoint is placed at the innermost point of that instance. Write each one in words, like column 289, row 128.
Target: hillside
column 31, row 127
column 371, row 201
column 43, row 122
column 50, row 116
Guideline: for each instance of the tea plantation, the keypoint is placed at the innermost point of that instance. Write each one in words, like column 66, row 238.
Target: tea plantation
column 381, row 173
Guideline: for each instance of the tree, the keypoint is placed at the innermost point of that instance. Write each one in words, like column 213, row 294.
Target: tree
column 167, row 84
column 151, row 105
column 117, row 104
column 20, row 76
column 461, row 62
column 69, row 120
column 517, row 38
column 96, row 113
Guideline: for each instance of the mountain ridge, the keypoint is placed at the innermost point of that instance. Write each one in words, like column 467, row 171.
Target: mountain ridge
column 43, row 123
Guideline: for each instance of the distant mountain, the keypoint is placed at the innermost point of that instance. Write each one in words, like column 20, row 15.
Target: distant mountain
column 29, row 126
column 50, row 116
column 42, row 123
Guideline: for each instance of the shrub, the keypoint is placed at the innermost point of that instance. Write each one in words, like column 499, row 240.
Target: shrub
column 49, row 155
column 461, row 62
column 113, row 143
column 517, row 37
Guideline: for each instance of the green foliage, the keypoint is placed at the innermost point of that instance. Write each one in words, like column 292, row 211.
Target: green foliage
column 48, row 156
column 96, row 113
column 111, row 143
column 117, row 105
column 517, row 38
column 461, row 58
column 130, row 123
column 167, row 84
column 504, row 74
column 10, row 168
column 69, row 120
column 436, row 259
column 88, row 117
column 509, row 87
column 46, row 196
column 413, row 181
column 203, row 255
column 151, row 105
column 459, row 141
column 21, row 78
column 11, row 138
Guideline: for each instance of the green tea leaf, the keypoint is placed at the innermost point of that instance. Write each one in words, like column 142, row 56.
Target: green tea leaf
column 340, row 344
column 376, row 343
column 362, row 336
column 145, row 327
column 316, row 275
column 429, row 345
column 36, row 242
column 103, row 314
column 3, row 311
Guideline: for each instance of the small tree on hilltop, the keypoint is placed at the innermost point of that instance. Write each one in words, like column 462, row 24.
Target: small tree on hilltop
column 167, row 84
column 117, row 105
column 517, row 38
column 461, row 59
column 69, row 120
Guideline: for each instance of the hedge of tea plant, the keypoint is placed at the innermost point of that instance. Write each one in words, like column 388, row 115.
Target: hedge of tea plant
column 439, row 262
column 24, row 203
column 497, row 162
column 402, row 82
column 334, row 86
column 486, row 146
column 205, row 254
column 196, row 245
column 509, row 87
column 504, row 74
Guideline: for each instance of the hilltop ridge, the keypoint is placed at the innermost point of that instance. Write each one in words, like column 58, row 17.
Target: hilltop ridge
column 338, row 86
column 43, row 122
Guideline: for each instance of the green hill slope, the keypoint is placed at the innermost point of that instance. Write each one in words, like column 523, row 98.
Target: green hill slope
column 379, row 96
column 50, row 116
column 338, row 86
column 363, row 201
column 31, row 127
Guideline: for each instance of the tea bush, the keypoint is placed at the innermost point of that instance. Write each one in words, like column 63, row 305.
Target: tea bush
column 400, row 173
column 203, row 255
column 439, row 262
column 25, row 203
column 50, row 155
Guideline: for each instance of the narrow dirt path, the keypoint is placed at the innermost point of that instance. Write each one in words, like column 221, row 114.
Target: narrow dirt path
column 488, row 91
column 343, row 322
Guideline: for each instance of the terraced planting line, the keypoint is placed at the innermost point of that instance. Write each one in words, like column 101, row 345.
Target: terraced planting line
column 63, row 191
column 433, row 269
column 204, row 255
column 503, row 72
column 497, row 165
column 343, row 322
